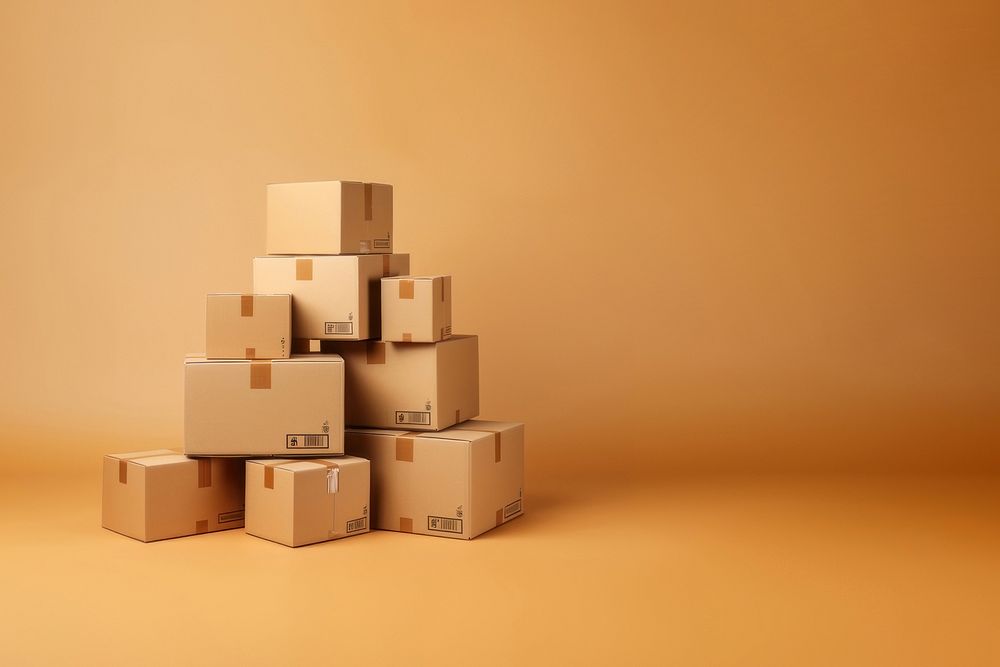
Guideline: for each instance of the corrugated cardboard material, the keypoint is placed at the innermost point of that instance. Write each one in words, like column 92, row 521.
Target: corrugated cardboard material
column 329, row 218
column 304, row 501
column 455, row 483
column 284, row 407
column 419, row 386
column 416, row 309
column 333, row 297
column 159, row 494
column 248, row 326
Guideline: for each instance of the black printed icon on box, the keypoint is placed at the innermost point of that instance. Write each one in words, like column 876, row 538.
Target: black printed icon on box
column 338, row 328
column 307, row 441
column 411, row 417
column 444, row 524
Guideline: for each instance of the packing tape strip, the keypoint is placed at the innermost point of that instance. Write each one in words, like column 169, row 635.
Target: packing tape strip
column 407, row 338
column 303, row 268
column 204, row 473
column 405, row 524
column 386, row 268
column 368, row 202
column 201, row 526
column 123, row 464
column 260, row 374
column 405, row 289
column 496, row 438
column 250, row 353
column 404, row 446
column 246, row 305
column 332, row 488
column 269, row 467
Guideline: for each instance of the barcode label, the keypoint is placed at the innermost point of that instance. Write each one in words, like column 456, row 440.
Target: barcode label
column 446, row 331
column 307, row 441
column 444, row 524
column 355, row 525
column 512, row 509
column 381, row 243
column 403, row 417
column 339, row 328
column 235, row 515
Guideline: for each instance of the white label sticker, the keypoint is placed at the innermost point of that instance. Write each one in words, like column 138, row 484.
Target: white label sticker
column 408, row 417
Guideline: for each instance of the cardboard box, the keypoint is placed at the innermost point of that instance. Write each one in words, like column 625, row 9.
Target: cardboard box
column 329, row 218
column 283, row 407
column 248, row 326
column 456, row 483
column 304, row 501
column 333, row 297
column 416, row 309
column 419, row 386
column 159, row 494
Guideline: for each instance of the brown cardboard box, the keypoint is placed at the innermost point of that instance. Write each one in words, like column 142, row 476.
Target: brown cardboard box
column 419, row 386
column 248, row 326
column 304, row 501
column 455, row 483
column 284, row 407
column 158, row 494
column 416, row 309
column 333, row 297
column 329, row 218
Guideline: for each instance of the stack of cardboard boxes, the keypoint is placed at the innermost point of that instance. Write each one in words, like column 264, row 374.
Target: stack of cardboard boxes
column 333, row 400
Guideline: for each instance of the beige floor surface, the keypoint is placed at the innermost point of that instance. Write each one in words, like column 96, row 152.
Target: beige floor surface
column 705, row 570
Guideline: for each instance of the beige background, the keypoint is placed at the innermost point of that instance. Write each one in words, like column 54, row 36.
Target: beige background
column 693, row 237
column 732, row 236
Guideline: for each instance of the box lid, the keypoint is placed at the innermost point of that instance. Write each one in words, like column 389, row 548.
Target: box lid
column 295, row 358
column 294, row 465
column 248, row 294
column 427, row 277
column 139, row 457
column 457, row 435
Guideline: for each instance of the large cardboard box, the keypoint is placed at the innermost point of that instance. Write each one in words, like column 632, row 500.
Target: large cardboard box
column 248, row 326
column 420, row 386
column 416, row 309
column 159, row 494
column 283, row 407
column 333, row 297
column 304, row 501
column 329, row 218
column 456, row 483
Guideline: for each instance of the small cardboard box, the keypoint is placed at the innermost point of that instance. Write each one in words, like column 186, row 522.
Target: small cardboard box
column 283, row 407
column 329, row 218
column 455, row 483
column 333, row 297
column 304, row 501
column 419, row 386
column 416, row 309
column 248, row 326
column 159, row 494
